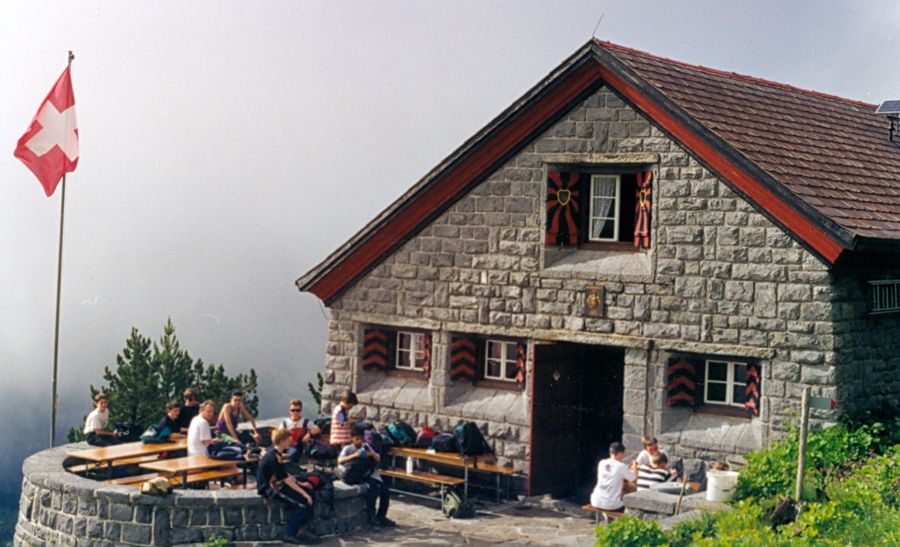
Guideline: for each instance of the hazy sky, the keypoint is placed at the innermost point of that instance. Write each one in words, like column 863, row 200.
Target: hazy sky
column 227, row 147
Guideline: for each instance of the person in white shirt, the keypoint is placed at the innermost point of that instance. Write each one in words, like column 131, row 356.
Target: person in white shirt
column 612, row 475
column 95, row 432
column 199, row 432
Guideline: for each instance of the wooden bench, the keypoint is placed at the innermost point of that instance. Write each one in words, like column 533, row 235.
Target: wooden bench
column 608, row 516
column 481, row 464
column 433, row 479
column 93, row 466
column 192, row 478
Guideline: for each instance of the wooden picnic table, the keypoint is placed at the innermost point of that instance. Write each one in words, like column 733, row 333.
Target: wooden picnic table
column 189, row 464
column 135, row 452
column 481, row 462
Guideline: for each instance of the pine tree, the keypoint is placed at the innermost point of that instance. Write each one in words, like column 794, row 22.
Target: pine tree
column 148, row 374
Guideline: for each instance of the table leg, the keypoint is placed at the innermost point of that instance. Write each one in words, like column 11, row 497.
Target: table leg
column 466, row 484
column 498, row 487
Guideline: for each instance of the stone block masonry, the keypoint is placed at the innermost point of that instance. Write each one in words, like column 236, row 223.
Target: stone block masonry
column 61, row 508
column 720, row 280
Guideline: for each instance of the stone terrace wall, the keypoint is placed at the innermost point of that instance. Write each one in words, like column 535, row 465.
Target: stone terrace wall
column 59, row 507
column 720, row 279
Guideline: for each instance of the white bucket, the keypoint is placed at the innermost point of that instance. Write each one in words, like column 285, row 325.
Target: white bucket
column 720, row 485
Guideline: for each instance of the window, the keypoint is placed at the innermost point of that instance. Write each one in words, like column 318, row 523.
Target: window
column 725, row 383
column 387, row 349
column 885, row 296
column 603, row 220
column 410, row 350
column 597, row 209
column 500, row 360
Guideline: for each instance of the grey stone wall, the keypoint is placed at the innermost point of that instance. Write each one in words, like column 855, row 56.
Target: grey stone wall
column 866, row 355
column 59, row 507
column 720, row 279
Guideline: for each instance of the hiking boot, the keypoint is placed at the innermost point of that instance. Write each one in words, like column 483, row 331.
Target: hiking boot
column 385, row 522
column 305, row 537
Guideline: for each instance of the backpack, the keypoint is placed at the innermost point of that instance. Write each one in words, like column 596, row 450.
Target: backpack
column 297, row 433
column 401, row 433
column 374, row 440
column 155, row 436
column 319, row 449
column 158, row 486
column 226, row 450
column 426, row 436
column 323, row 423
column 323, row 492
column 128, row 433
column 471, row 441
column 357, row 471
column 453, row 506
column 445, row 442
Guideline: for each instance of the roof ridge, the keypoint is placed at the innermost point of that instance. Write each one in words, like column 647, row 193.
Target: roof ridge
column 734, row 75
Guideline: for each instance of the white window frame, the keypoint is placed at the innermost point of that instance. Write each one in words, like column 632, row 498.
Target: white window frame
column 729, row 382
column 505, row 363
column 409, row 358
column 615, row 212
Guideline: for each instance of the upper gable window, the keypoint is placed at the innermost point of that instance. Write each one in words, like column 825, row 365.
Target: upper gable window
column 594, row 209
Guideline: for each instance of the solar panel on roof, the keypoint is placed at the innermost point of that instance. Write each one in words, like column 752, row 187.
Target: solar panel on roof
column 888, row 108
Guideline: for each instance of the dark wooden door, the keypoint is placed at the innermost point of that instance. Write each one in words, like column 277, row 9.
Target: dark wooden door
column 577, row 410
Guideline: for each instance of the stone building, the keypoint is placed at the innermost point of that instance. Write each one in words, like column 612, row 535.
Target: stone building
column 636, row 246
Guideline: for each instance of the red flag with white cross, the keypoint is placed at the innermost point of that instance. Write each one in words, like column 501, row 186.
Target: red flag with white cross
column 50, row 146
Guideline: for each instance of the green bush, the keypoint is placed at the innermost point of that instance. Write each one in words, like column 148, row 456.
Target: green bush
column 628, row 531
column 687, row 532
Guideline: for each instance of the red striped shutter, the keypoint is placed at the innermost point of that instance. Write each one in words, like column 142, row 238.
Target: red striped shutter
column 425, row 362
column 521, row 353
column 563, row 194
column 463, row 358
column 682, row 384
column 376, row 348
column 752, row 391
column 642, row 210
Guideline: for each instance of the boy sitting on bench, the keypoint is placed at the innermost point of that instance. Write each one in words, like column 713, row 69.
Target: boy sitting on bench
column 274, row 482
column 95, row 432
column 656, row 472
column 612, row 477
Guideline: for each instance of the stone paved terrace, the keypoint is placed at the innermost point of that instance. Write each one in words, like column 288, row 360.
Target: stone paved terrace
column 536, row 521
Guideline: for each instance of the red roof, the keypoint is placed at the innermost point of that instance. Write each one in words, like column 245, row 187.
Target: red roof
column 832, row 153
column 820, row 166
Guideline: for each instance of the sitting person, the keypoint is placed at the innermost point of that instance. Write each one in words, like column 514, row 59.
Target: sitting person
column 651, row 448
column 302, row 429
column 340, row 418
column 377, row 488
column 199, row 435
column 230, row 417
column 612, row 477
column 95, row 425
column 189, row 409
column 274, row 482
column 655, row 473
column 170, row 422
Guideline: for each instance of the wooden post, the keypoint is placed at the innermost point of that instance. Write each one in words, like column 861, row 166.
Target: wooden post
column 801, row 451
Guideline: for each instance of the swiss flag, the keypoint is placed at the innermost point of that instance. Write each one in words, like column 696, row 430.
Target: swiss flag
column 50, row 146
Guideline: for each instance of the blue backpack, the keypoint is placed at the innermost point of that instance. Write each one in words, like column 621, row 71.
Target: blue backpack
column 402, row 433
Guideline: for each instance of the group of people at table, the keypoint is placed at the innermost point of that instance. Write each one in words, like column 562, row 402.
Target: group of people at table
column 194, row 420
column 615, row 478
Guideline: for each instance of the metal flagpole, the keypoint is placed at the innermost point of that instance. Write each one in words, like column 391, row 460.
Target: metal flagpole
column 62, row 216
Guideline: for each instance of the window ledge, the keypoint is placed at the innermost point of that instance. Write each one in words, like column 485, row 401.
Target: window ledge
column 724, row 410
column 408, row 374
column 624, row 261
column 498, row 384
